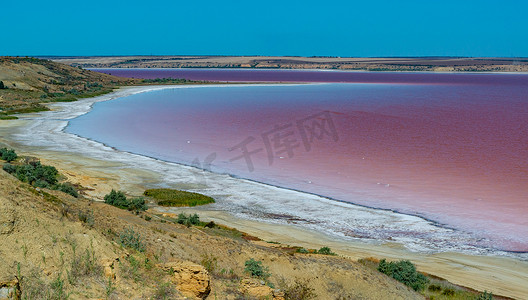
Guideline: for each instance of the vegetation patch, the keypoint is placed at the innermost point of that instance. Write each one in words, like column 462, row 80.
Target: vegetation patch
column 170, row 81
column 405, row 272
column 325, row 251
column 172, row 197
column 36, row 174
column 131, row 239
column 5, row 117
column 256, row 269
column 118, row 199
column 8, row 155
column 188, row 220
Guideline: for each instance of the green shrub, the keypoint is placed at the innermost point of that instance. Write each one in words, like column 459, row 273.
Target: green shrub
column 255, row 269
column 211, row 224
column 188, row 220
column 34, row 173
column 405, row 272
column 209, row 262
column 434, row 288
column 41, row 184
column 448, row 292
column 171, row 197
column 194, row 219
column 4, row 117
column 8, row 155
column 118, row 199
column 325, row 251
column 131, row 269
column 40, row 176
column 137, row 204
column 182, row 218
column 485, row 296
column 131, row 239
column 67, row 188
column 9, row 168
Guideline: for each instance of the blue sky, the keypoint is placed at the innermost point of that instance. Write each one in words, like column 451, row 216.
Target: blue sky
column 304, row 28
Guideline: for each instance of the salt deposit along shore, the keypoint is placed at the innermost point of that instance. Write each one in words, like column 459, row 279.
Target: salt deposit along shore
column 272, row 213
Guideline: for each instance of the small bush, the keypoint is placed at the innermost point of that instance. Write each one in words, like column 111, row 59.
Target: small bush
column 9, row 168
column 434, row 288
column 188, row 220
column 131, row 269
column 118, row 199
column 325, row 251
column 485, row 296
column 405, row 272
column 131, row 239
column 209, row 262
column 210, row 225
column 137, row 204
column 8, row 155
column 182, row 218
column 67, row 188
column 448, row 292
column 194, row 219
column 255, row 269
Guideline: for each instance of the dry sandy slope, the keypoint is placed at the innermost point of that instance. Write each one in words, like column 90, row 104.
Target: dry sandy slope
column 35, row 231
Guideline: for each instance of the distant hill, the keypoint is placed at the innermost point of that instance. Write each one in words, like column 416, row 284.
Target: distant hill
column 27, row 82
column 436, row 64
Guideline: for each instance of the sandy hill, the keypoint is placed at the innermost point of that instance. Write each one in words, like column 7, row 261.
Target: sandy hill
column 30, row 81
column 53, row 245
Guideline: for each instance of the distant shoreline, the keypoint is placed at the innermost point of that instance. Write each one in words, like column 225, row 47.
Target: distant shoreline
column 317, row 70
column 384, row 64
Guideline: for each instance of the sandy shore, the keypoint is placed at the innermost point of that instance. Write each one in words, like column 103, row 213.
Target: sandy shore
column 100, row 173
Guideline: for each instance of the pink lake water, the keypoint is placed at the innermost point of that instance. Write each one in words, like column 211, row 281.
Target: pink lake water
column 452, row 148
